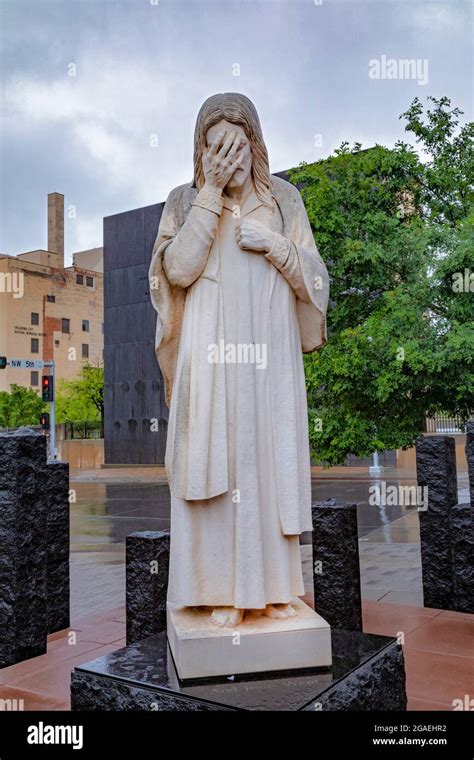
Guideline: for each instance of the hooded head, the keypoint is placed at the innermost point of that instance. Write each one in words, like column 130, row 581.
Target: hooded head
column 236, row 109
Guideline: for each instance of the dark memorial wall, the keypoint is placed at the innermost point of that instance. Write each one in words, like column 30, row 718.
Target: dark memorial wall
column 135, row 411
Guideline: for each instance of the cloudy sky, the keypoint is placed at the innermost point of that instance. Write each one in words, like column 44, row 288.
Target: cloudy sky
column 100, row 96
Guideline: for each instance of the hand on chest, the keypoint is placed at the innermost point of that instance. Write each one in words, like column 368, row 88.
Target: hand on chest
column 253, row 225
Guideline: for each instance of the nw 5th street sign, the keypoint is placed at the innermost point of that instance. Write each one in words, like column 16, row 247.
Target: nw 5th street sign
column 26, row 363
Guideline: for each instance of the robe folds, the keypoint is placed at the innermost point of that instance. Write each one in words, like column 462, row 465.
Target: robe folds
column 237, row 455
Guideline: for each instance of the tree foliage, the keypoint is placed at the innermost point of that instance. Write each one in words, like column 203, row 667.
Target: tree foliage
column 396, row 231
column 82, row 400
column 21, row 407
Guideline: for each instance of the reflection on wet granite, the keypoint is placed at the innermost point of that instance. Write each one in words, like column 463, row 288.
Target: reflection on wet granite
column 149, row 665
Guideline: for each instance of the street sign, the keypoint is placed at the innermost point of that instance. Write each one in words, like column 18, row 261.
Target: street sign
column 26, row 363
column 47, row 394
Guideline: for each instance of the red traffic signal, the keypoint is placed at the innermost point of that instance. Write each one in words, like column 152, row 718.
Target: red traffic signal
column 44, row 421
column 47, row 388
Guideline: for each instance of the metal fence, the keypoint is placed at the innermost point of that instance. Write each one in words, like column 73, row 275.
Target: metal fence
column 442, row 423
column 82, row 430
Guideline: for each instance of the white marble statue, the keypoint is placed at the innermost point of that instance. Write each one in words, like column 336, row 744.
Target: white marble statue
column 240, row 290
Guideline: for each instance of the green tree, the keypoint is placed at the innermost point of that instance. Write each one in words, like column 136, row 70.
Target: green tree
column 22, row 406
column 82, row 400
column 393, row 230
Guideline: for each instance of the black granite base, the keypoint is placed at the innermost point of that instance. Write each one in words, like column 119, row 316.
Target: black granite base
column 336, row 570
column 446, row 528
column 462, row 527
column 436, row 470
column 367, row 674
column 23, row 620
column 147, row 567
column 56, row 496
column 470, row 457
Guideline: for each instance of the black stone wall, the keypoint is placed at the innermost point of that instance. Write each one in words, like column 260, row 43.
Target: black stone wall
column 56, row 497
column 23, row 550
column 147, row 571
column 446, row 527
column 34, row 546
column 134, row 393
column 336, row 570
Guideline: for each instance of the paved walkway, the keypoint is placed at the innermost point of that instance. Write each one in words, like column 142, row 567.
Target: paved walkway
column 438, row 651
column 111, row 504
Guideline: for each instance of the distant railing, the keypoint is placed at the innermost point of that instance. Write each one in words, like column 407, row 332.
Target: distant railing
column 82, row 430
column 442, row 423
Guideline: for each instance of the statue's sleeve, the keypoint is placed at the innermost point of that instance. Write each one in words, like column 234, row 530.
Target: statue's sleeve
column 284, row 256
column 179, row 256
column 297, row 258
column 186, row 254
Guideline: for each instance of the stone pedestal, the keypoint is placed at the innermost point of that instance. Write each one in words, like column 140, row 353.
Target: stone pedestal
column 56, row 496
column 257, row 645
column 470, row 456
column 147, row 563
column 367, row 673
column 462, row 527
column 336, row 571
column 436, row 470
column 446, row 527
column 23, row 565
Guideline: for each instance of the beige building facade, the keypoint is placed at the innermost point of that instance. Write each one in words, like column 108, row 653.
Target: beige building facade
column 48, row 311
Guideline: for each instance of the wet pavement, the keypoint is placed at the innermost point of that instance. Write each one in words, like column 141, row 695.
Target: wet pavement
column 112, row 504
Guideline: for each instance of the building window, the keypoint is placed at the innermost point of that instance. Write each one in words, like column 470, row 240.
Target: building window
column 34, row 346
column 56, row 342
column 80, row 279
column 85, row 350
column 65, row 325
column 89, row 282
column 51, row 299
column 34, row 378
column 35, row 318
column 85, row 325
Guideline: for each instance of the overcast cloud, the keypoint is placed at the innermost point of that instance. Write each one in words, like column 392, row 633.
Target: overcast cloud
column 142, row 69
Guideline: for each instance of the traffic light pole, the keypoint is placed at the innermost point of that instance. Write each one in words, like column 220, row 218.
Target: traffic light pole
column 37, row 364
column 52, row 416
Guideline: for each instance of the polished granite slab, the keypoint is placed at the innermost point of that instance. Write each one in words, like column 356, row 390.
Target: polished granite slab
column 367, row 674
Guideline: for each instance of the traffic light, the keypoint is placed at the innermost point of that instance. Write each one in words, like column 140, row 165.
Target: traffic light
column 3, row 362
column 47, row 388
column 44, row 421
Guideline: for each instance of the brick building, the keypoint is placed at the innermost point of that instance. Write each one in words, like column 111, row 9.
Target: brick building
column 49, row 311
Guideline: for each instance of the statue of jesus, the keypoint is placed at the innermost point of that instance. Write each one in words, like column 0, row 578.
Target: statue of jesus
column 240, row 291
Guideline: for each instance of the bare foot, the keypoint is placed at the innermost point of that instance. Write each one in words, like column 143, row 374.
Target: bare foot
column 280, row 611
column 227, row 617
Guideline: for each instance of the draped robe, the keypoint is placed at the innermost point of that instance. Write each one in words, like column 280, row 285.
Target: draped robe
column 237, row 454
